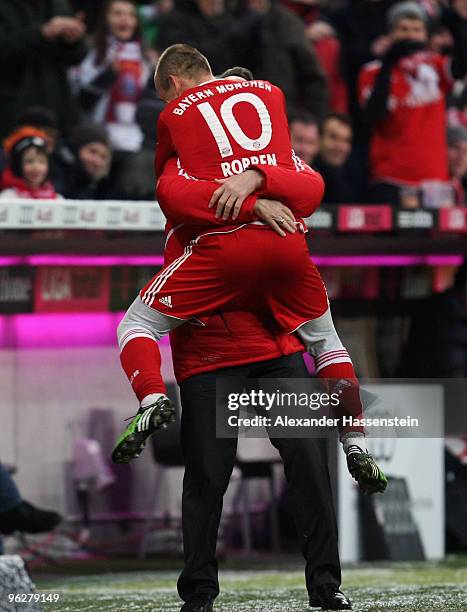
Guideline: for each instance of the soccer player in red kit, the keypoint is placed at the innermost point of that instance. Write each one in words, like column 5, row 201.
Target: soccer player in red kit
column 230, row 269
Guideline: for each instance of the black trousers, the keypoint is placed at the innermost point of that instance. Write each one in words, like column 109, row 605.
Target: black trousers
column 209, row 463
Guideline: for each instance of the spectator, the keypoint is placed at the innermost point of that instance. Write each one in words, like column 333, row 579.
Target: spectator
column 328, row 49
column 135, row 178
column 304, row 133
column 457, row 159
column 275, row 48
column 403, row 98
column 38, row 42
column 333, row 159
column 26, row 175
column 204, row 24
column 88, row 177
column 317, row 18
column 61, row 156
column 19, row 515
column 111, row 79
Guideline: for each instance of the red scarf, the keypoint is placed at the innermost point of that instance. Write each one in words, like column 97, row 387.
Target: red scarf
column 46, row 191
column 129, row 86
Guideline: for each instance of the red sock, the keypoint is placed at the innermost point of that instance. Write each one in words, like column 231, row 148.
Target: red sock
column 141, row 360
column 350, row 404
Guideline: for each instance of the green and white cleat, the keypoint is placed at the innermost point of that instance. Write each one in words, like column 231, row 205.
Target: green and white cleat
column 364, row 469
column 146, row 421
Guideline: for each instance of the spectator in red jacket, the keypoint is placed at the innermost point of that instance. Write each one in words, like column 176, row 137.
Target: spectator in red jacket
column 26, row 175
column 403, row 99
column 328, row 49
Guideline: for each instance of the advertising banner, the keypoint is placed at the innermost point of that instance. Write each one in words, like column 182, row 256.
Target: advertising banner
column 372, row 218
column 72, row 289
column 126, row 283
column 16, row 289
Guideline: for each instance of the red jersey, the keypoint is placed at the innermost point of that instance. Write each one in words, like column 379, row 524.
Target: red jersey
column 211, row 146
column 409, row 145
column 222, row 127
column 184, row 201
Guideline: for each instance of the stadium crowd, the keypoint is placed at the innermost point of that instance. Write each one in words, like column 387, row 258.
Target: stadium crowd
column 375, row 91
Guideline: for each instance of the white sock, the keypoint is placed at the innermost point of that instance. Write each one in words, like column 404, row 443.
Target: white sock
column 151, row 399
column 353, row 438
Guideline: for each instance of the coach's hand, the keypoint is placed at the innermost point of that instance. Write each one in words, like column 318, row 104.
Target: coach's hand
column 232, row 192
column 276, row 215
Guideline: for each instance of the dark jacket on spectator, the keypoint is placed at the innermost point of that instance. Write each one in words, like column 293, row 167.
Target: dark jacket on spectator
column 276, row 49
column 77, row 185
column 33, row 69
column 213, row 36
column 339, row 184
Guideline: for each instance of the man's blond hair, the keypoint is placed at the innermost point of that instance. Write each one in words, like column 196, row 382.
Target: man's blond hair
column 180, row 60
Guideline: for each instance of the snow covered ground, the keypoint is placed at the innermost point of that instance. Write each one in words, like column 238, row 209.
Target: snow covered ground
column 401, row 587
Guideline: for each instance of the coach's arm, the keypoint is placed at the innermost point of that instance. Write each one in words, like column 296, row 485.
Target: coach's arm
column 300, row 189
column 184, row 199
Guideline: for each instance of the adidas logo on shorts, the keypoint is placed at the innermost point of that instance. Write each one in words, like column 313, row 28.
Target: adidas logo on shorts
column 167, row 301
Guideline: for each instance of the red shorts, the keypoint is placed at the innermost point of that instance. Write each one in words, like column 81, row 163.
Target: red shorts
column 251, row 269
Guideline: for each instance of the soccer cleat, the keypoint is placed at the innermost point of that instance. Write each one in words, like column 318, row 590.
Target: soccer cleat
column 198, row 604
column 329, row 597
column 364, row 469
column 146, row 421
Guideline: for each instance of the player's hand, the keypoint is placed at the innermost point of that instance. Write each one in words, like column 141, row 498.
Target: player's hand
column 276, row 215
column 233, row 191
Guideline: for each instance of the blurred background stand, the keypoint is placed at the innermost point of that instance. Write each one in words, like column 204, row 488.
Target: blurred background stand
column 166, row 453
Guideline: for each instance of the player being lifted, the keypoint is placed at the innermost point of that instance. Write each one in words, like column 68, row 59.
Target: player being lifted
column 218, row 128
